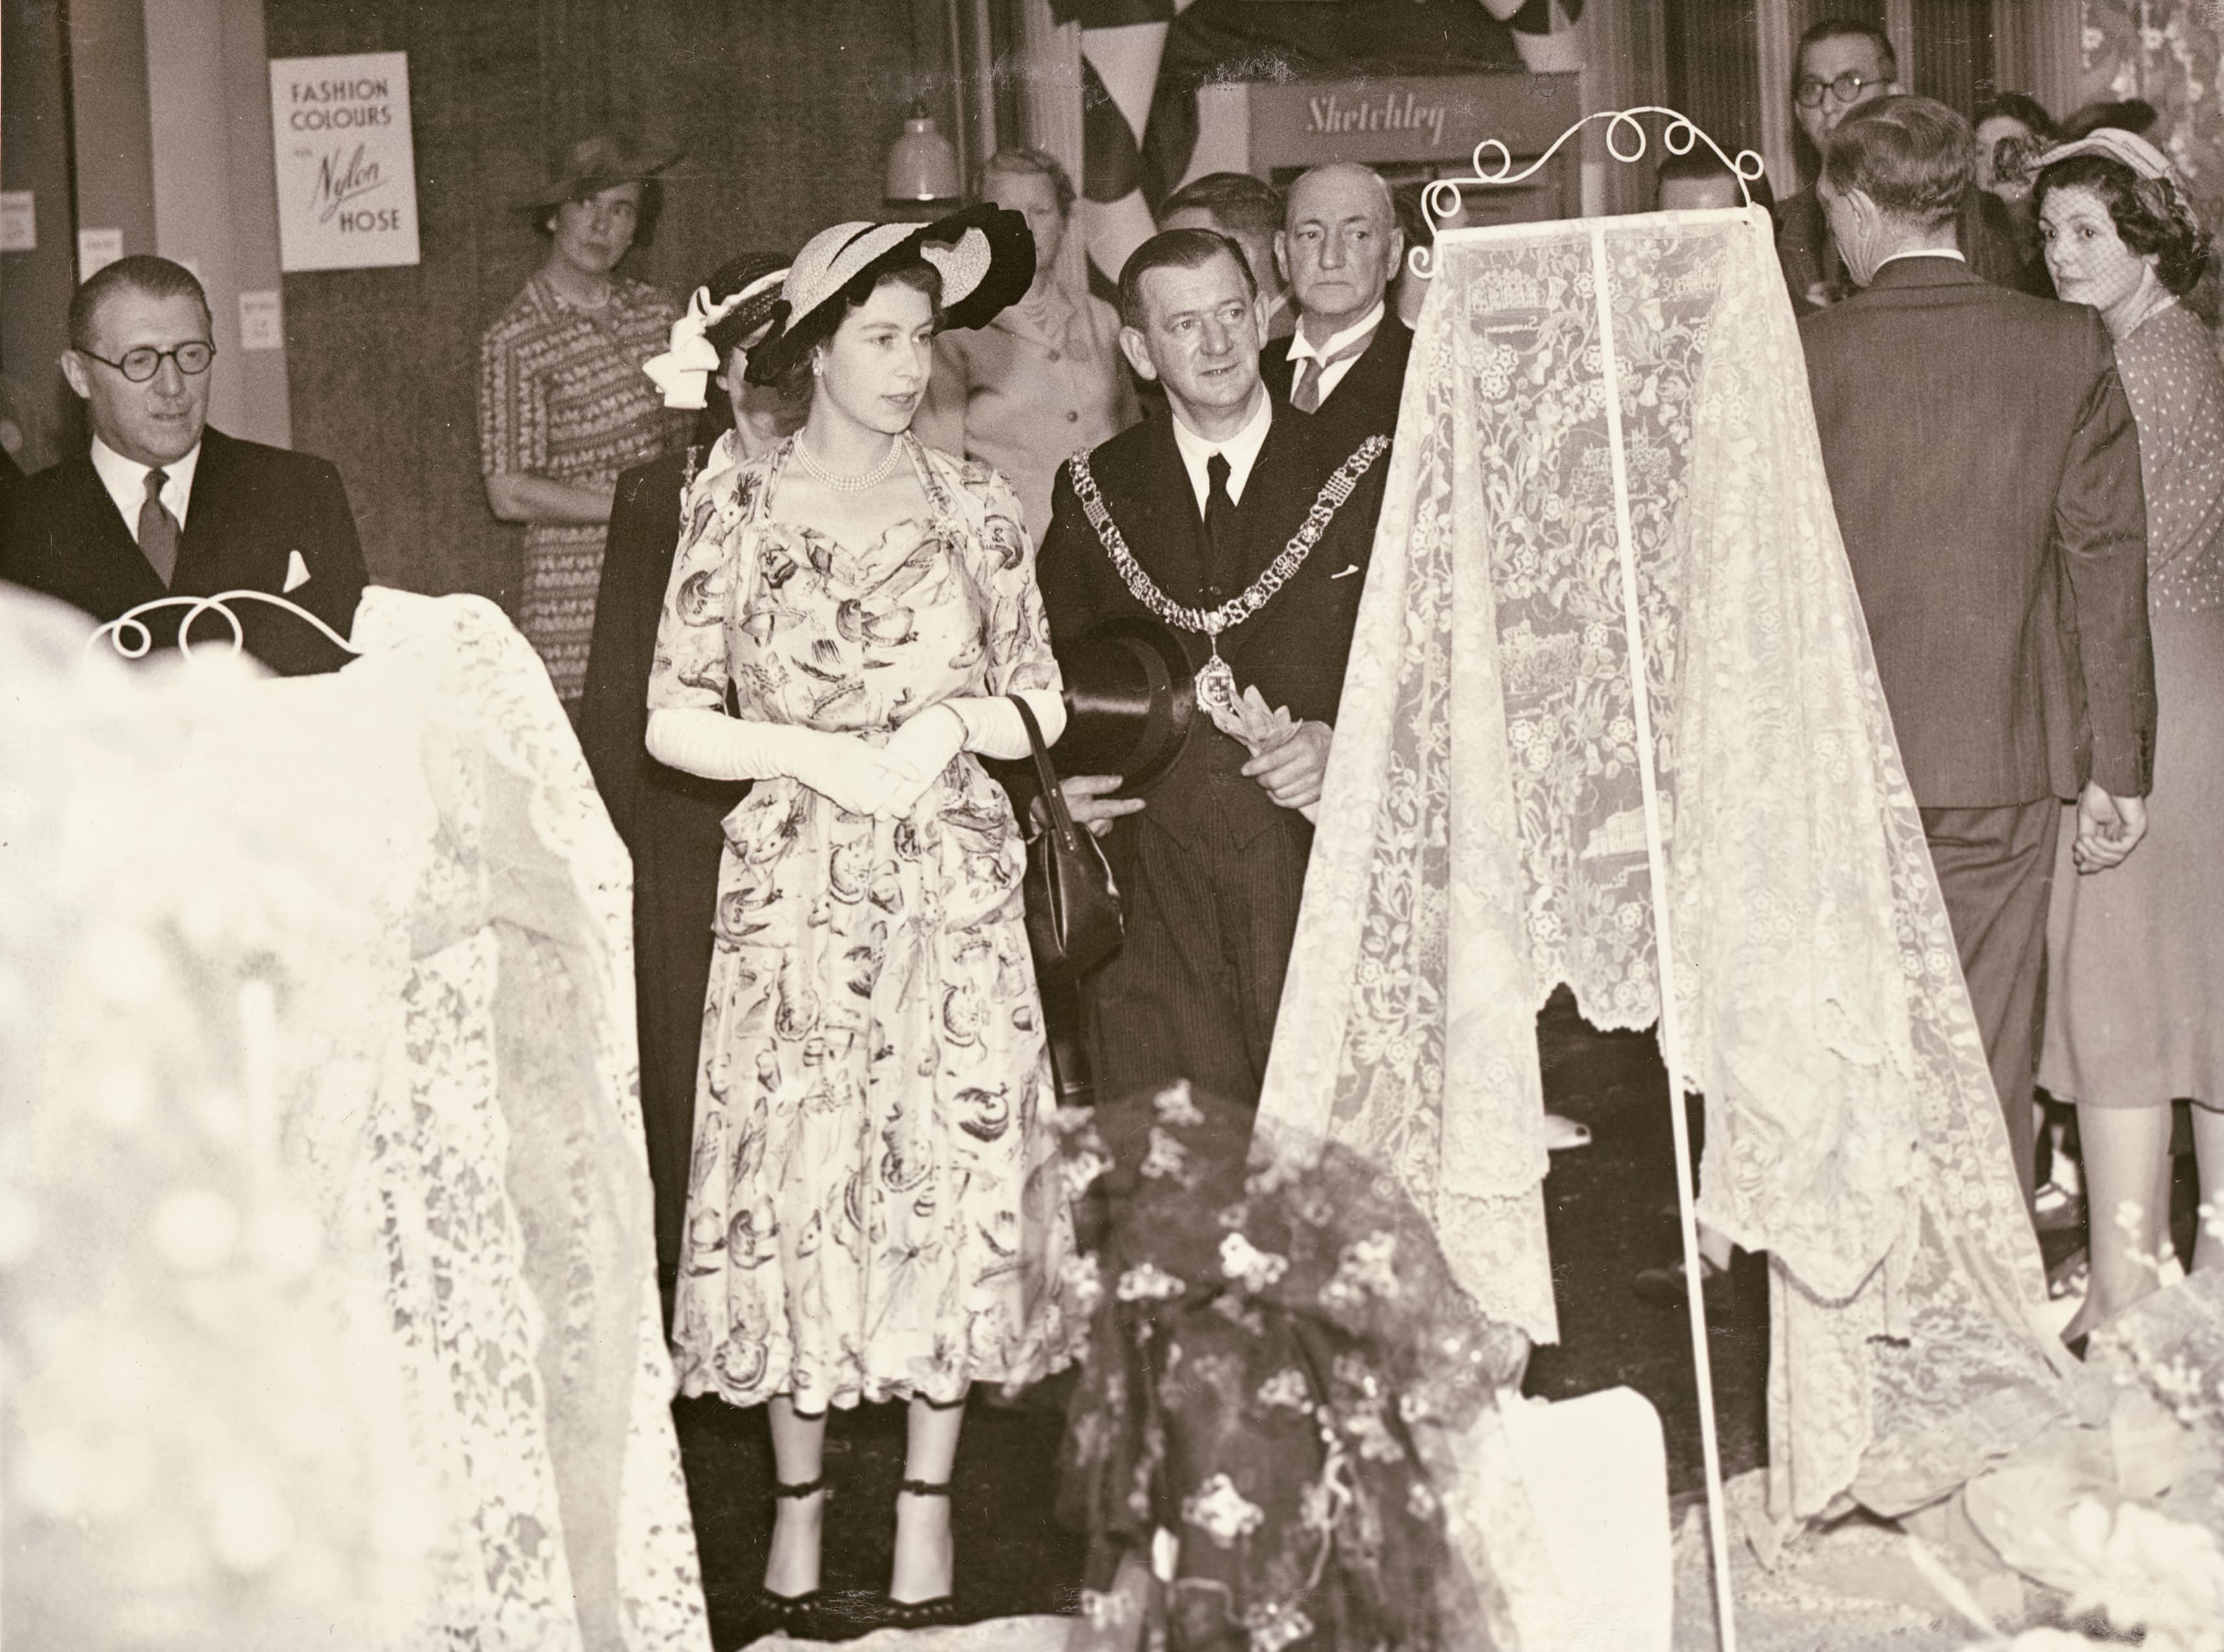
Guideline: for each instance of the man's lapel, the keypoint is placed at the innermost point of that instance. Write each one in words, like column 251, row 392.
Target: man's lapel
column 114, row 564
column 1168, row 536
column 205, row 564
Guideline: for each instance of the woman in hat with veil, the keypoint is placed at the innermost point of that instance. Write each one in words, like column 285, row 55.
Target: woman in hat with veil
column 563, row 406
column 875, row 1209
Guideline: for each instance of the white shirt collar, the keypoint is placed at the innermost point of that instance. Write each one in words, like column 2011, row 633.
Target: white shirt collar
column 126, row 482
column 1920, row 252
column 1241, row 450
column 1300, row 347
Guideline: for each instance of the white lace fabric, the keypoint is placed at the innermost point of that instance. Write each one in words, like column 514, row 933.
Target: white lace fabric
column 410, row 856
column 1483, row 837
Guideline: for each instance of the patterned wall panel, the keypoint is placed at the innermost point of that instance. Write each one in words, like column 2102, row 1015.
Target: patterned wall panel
column 2171, row 54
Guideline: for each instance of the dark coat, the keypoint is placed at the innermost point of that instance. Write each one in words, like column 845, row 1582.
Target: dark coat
column 670, row 824
column 252, row 506
column 1986, row 473
column 1294, row 649
column 1986, row 233
column 1212, row 871
column 1365, row 399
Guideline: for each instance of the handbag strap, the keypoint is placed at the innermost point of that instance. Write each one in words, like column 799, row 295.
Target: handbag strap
column 1061, row 818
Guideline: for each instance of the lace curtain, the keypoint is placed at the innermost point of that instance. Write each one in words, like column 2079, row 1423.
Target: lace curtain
column 1608, row 416
column 327, row 1304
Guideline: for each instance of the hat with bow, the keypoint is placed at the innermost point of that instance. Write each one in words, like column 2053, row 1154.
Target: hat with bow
column 986, row 255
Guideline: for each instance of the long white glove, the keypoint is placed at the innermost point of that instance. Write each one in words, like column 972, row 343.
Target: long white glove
column 993, row 726
column 985, row 723
column 856, row 776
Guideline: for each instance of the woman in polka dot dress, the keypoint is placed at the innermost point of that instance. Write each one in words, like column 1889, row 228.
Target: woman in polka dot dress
column 2137, row 951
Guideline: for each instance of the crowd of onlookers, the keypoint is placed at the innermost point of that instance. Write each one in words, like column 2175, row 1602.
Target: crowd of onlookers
column 798, row 552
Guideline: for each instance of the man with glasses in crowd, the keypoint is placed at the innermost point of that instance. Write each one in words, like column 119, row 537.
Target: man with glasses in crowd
column 1838, row 67
column 157, row 504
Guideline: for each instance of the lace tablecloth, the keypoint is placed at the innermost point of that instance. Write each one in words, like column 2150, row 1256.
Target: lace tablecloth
column 327, row 1307
column 1605, row 429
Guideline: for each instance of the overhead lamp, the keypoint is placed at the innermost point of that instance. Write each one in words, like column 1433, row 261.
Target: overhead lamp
column 922, row 165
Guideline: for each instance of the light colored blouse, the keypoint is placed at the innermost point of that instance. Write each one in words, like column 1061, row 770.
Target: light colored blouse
column 1042, row 382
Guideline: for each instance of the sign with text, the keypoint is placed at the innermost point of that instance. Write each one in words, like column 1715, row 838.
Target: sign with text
column 1407, row 118
column 19, row 221
column 347, row 173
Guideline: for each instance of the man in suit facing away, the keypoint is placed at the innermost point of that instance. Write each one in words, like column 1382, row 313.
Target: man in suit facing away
column 1210, row 857
column 159, row 504
column 1986, row 475
column 1345, row 367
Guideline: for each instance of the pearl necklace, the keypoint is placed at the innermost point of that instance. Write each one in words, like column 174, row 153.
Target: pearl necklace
column 858, row 483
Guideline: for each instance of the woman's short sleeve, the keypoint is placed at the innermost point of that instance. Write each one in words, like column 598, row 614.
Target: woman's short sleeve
column 513, row 410
column 689, row 668
column 1018, row 631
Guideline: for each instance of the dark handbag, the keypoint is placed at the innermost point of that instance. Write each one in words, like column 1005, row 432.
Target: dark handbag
column 1073, row 906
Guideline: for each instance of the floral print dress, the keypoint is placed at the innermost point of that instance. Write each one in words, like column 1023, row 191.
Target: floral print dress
column 875, row 1209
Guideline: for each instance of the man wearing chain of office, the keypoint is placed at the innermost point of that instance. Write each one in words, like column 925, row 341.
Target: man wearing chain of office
column 1236, row 528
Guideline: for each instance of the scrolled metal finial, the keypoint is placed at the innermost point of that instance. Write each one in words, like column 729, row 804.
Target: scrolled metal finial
column 1626, row 141
column 127, row 633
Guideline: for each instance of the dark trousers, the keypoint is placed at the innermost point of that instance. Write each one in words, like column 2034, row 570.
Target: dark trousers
column 1996, row 870
column 1192, row 993
column 677, row 843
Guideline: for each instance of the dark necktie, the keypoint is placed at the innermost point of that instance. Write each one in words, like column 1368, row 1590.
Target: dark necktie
column 1221, row 570
column 158, row 529
column 1305, row 394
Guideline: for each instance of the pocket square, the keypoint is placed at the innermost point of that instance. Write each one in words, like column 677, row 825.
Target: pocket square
column 297, row 571
column 1353, row 568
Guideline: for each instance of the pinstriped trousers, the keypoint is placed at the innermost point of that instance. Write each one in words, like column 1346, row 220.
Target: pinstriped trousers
column 1193, row 991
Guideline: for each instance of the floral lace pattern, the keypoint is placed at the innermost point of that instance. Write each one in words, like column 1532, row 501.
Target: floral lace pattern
column 415, row 1198
column 509, row 1177
column 1482, row 838
column 1279, row 1363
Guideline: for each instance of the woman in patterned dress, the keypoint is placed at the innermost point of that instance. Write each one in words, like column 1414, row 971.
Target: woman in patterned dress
column 875, row 1209
column 2137, row 968
column 562, row 404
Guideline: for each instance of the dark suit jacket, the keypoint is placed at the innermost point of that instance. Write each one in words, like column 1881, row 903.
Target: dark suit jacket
column 1294, row 649
column 1365, row 399
column 671, row 822
column 252, row 506
column 1985, row 474
column 1809, row 254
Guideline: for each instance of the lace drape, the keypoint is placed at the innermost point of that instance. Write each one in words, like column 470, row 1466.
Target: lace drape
column 1482, row 838
column 457, row 1411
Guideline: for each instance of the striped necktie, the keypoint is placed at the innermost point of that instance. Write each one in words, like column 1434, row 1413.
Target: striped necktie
column 158, row 529
column 1305, row 395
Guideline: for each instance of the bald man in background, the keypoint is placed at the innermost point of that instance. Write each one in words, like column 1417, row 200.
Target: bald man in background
column 1344, row 370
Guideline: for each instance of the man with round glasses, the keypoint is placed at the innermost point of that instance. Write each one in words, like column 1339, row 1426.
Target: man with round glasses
column 158, row 504
column 1839, row 66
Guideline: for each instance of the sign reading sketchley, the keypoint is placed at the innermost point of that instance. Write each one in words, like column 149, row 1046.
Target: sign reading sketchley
column 347, row 173
column 1401, row 118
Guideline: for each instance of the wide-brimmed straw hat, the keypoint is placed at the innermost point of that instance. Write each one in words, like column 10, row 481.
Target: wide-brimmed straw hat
column 986, row 255
column 597, row 163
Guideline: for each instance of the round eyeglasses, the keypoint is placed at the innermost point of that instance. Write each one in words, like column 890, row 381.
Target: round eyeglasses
column 1847, row 87
column 139, row 365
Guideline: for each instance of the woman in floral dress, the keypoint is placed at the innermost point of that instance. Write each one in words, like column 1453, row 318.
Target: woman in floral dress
column 562, row 404
column 875, row 1209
